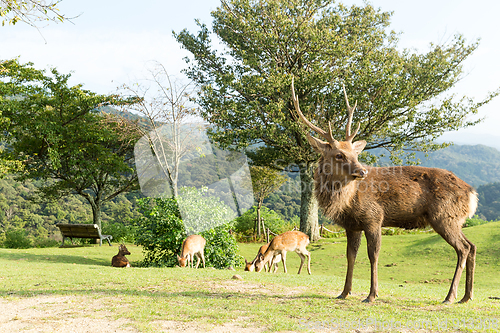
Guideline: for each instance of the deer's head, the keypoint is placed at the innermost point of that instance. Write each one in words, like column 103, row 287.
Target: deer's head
column 339, row 158
column 123, row 250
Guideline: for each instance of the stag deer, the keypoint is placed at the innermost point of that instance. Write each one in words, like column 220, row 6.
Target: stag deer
column 193, row 246
column 250, row 266
column 120, row 260
column 280, row 245
column 362, row 198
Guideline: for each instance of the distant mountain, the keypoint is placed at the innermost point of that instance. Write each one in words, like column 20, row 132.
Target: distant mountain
column 477, row 165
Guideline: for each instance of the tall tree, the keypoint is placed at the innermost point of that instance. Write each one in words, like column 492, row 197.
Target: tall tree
column 166, row 104
column 401, row 94
column 59, row 134
column 264, row 182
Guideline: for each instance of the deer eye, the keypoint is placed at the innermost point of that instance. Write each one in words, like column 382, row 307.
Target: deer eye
column 339, row 156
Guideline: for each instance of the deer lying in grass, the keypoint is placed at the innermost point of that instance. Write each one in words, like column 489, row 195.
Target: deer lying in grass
column 250, row 266
column 280, row 245
column 193, row 246
column 120, row 260
column 362, row 198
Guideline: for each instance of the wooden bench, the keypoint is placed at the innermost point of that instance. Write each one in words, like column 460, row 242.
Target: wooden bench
column 82, row 231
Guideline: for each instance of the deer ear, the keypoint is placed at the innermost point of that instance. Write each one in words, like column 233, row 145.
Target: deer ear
column 359, row 146
column 318, row 145
column 178, row 257
column 261, row 257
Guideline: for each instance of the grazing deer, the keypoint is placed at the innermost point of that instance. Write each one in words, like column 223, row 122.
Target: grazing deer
column 362, row 198
column 280, row 245
column 250, row 266
column 193, row 246
column 120, row 260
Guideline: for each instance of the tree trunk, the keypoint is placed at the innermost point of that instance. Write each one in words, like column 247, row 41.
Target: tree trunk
column 308, row 204
column 259, row 206
column 96, row 213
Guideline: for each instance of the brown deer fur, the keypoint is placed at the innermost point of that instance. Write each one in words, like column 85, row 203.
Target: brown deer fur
column 362, row 198
column 250, row 266
column 193, row 246
column 280, row 245
column 120, row 260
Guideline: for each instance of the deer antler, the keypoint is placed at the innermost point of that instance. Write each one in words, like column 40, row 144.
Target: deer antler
column 350, row 111
column 327, row 135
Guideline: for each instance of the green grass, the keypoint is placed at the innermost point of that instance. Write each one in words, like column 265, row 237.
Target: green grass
column 415, row 271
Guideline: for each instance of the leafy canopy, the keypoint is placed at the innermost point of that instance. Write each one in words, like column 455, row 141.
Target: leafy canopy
column 59, row 134
column 401, row 94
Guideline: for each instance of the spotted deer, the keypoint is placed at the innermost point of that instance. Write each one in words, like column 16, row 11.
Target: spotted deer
column 193, row 246
column 364, row 199
column 250, row 266
column 120, row 260
column 289, row 241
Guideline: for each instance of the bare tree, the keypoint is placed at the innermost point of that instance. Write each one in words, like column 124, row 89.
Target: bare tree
column 171, row 119
column 30, row 12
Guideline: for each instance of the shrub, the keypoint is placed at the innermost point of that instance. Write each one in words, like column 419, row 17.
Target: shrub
column 43, row 242
column 159, row 231
column 474, row 222
column 272, row 220
column 121, row 232
column 221, row 248
column 17, row 239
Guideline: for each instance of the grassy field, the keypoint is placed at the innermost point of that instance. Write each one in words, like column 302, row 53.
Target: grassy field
column 415, row 271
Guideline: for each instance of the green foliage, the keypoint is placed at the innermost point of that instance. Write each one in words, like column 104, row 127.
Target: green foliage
column 20, row 207
column 200, row 211
column 160, row 231
column 43, row 242
column 272, row 220
column 265, row 181
column 489, row 201
column 17, row 239
column 29, row 12
column 67, row 141
column 475, row 221
column 221, row 248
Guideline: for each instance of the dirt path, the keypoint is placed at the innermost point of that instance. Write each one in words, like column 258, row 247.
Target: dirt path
column 76, row 314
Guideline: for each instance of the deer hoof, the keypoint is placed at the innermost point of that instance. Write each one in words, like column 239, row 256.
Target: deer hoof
column 341, row 296
column 446, row 301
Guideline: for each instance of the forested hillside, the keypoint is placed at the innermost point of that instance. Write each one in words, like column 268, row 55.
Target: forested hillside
column 18, row 210
column 477, row 165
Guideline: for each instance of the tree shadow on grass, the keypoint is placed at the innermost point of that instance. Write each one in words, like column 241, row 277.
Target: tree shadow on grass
column 57, row 259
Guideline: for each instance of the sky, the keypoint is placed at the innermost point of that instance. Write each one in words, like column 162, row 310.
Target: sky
column 110, row 43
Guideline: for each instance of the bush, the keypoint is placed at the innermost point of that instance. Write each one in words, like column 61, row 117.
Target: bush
column 161, row 231
column 221, row 248
column 474, row 222
column 17, row 239
column 121, row 232
column 272, row 220
column 43, row 242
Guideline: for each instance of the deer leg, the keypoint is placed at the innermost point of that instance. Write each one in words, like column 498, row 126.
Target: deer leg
column 283, row 260
column 462, row 247
column 373, row 238
column 469, row 272
column 353, row 241
column 197, row 261
column 302, row 258
column 203, row 258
